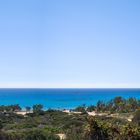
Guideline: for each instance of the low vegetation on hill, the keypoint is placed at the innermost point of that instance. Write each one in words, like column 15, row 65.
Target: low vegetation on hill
column 47, row 125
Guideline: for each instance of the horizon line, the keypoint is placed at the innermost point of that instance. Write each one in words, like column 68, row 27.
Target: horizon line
column 69, row 87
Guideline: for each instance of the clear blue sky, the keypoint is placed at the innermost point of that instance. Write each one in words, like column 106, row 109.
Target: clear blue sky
column 70, row 43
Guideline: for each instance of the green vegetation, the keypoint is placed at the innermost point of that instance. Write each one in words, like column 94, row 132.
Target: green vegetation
column 136, row 118
column 109, row 123
column 118, row 105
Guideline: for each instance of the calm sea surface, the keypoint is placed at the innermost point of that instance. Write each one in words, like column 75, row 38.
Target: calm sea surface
column 62, row 98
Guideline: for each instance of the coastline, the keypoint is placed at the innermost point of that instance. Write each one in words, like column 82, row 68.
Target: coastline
column 62, row 98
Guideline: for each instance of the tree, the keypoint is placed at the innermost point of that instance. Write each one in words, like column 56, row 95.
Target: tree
column 81, row 108
column 118, row 103
column 109, row 106
column 93, row 131
column 38, row 109
column 15, row 107
column 133, row 104
column 91, row 108
column 100, row 106
column 28, row 109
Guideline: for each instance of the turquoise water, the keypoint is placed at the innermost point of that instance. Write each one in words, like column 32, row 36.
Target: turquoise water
column 62, row 98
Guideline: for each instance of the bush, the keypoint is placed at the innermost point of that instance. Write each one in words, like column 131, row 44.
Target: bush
column 40, row 135
column 136, row 118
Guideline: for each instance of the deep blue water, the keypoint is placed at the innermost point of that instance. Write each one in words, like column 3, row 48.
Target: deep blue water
column 62, row 98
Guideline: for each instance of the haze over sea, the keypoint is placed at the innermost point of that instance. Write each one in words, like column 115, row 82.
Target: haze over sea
column 62, row 98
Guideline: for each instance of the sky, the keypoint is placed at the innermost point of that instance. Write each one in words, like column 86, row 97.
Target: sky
column 70, row 44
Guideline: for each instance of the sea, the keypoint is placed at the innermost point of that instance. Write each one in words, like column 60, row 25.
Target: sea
column 62, row 98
